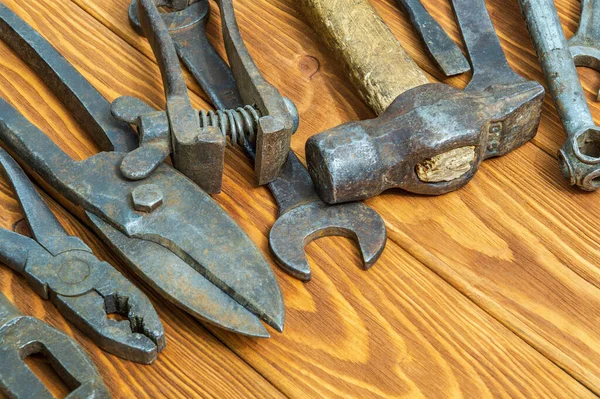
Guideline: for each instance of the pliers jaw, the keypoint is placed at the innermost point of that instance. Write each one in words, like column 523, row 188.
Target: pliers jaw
column 136, row 338
column 84, row 289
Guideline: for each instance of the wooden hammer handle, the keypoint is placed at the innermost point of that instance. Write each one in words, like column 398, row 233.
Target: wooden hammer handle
column 379, row 67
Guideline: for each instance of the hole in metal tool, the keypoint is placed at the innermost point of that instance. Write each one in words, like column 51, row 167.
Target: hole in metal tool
column 41, row 365
column 589, row 143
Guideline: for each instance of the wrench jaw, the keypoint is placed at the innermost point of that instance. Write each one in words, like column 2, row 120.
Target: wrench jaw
column 579, row 159
column 584, row 55
column 585, row 44
column 305, row 223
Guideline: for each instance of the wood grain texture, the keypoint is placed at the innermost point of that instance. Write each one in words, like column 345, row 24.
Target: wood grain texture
column 398, row 330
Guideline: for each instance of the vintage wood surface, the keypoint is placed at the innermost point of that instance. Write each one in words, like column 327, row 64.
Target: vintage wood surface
column 491, row 291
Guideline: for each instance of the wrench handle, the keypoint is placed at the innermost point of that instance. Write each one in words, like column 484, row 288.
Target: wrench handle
column 554, row 55
column 378, row 66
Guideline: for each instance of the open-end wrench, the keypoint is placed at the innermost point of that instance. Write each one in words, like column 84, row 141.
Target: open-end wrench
column 303, row 216
column 441, row 48
column 585, row 45
column 579, row 157
column 22, row 336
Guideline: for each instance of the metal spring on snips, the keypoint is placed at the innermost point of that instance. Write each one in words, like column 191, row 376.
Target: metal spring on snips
column 239, row 124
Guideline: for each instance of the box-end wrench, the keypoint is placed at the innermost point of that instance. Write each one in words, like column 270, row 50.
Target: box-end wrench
column 579, row 157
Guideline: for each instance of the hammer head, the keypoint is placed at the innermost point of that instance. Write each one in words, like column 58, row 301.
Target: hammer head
column 431, row 140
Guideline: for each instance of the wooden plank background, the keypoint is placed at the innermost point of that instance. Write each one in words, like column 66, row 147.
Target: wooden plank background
column 491, row 291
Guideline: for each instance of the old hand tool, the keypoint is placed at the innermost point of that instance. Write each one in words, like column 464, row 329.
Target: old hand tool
column 585, row 45
column 303, row 216
column 85, row 290
column 22, row 336
column 579, row 157
column 432, row 138
column 170, row 232
column 441, row 48
column 198, row 151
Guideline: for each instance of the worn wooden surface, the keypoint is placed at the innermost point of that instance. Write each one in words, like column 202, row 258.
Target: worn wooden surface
column 491, row 291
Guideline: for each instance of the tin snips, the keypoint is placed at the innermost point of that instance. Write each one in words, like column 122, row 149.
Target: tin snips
column 170, row 232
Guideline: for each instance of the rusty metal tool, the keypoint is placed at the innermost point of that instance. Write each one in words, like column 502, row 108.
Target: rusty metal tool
column 170, row 233
column 579, row 157
column 585, row 45
column 187, row 30
column 198, row 152
column 63, row 269
column 440, row 47
column 303, row 217
column 429, row 138
column 22, row 336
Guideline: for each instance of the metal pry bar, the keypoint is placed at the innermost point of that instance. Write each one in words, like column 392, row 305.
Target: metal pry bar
column 85, row 290
column 22, row 336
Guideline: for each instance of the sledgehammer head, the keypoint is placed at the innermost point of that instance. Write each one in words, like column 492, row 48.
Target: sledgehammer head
column 431, row 140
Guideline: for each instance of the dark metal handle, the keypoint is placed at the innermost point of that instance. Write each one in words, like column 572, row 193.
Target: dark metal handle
column 187, row 29
column 182, row 117
column 78, row 95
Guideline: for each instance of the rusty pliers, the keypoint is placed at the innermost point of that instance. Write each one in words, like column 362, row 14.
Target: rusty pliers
column 195, row 143
column 85, row 290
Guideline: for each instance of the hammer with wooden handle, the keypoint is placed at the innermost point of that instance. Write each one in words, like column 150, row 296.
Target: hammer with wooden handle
column 428, row 138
